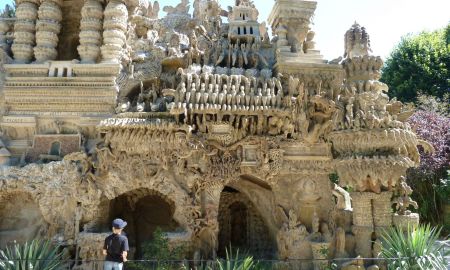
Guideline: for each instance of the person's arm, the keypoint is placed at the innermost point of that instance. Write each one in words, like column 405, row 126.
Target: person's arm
column 104, row 248
column 125, row 249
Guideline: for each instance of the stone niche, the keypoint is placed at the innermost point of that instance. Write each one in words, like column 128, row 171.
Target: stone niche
column 21, row 219
column 70, row 29
column 145, row 211
column 242, row 226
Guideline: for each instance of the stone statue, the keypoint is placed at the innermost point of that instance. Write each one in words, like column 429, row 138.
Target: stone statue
column 404, row 201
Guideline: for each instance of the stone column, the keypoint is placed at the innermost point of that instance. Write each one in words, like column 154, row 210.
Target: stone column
column 114, row 29
column 363, row 237
column 24, row 30
column 47, row 30
column 90, row 34
column 363, row 222
column 382, row 210
column 362, row 209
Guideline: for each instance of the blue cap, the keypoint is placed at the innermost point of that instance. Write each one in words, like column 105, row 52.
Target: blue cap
column 119, row 223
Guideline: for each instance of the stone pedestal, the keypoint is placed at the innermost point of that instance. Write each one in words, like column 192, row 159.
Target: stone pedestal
column 363, row 237
column 405, row 221
column 47, row 30
column 24, row 31
column 114, row 28
column 90, row 34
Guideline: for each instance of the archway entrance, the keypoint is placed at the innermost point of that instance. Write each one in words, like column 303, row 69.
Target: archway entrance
column 21, row 219
column 242, row 227
column 144, row 210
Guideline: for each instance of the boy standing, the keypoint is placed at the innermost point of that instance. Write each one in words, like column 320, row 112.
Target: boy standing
column 116, row 247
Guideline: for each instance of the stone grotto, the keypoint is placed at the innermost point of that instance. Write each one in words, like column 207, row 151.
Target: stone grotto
column 204, row 124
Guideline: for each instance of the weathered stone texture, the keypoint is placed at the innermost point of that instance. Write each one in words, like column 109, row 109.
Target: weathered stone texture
column 211, row 130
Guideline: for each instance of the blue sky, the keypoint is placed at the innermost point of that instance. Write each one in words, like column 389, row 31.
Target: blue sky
column 385, row 20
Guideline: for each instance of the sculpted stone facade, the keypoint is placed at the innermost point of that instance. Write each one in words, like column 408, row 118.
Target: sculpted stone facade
column 209, row 129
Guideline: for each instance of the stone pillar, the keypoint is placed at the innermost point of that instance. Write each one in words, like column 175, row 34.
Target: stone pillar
column 90, row 34
column 363, row 237
column 47, row 30
column 362, row 209
column 382, row 210
column 114, row 29
column 363, row 222
column 24, row 30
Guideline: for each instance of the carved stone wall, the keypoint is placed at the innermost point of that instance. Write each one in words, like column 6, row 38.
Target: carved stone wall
column 160, row 118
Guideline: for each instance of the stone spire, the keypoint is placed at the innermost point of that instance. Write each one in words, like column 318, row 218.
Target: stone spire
column 357, row 42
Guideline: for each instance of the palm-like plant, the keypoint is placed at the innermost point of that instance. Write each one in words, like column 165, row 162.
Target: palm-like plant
column 415, row 248
column 34, row 255
column 237, row 262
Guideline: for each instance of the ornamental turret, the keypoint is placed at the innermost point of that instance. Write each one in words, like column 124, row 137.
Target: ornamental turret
column 244, row 21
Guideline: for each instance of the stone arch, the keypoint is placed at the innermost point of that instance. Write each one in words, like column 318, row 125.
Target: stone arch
column 242, row 226
column 145, row 210
column 123, row 181
column 21, row 218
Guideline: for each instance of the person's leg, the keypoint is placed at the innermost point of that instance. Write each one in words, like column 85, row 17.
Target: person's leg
column 108, row 265
column 119, row 266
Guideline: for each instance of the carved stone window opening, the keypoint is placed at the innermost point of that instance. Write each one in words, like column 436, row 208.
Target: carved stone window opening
column 55, row 149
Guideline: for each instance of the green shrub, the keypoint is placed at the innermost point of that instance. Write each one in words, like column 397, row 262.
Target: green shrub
column 413, row 249
column 159, row 251
column 237, row 262
column 34, row 255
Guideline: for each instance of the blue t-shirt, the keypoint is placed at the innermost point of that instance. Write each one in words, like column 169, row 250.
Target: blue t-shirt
column 115, row 245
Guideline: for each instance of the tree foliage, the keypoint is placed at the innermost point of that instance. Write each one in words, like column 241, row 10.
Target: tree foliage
column 430, row 180
column 419, row 63
column 8, row 11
